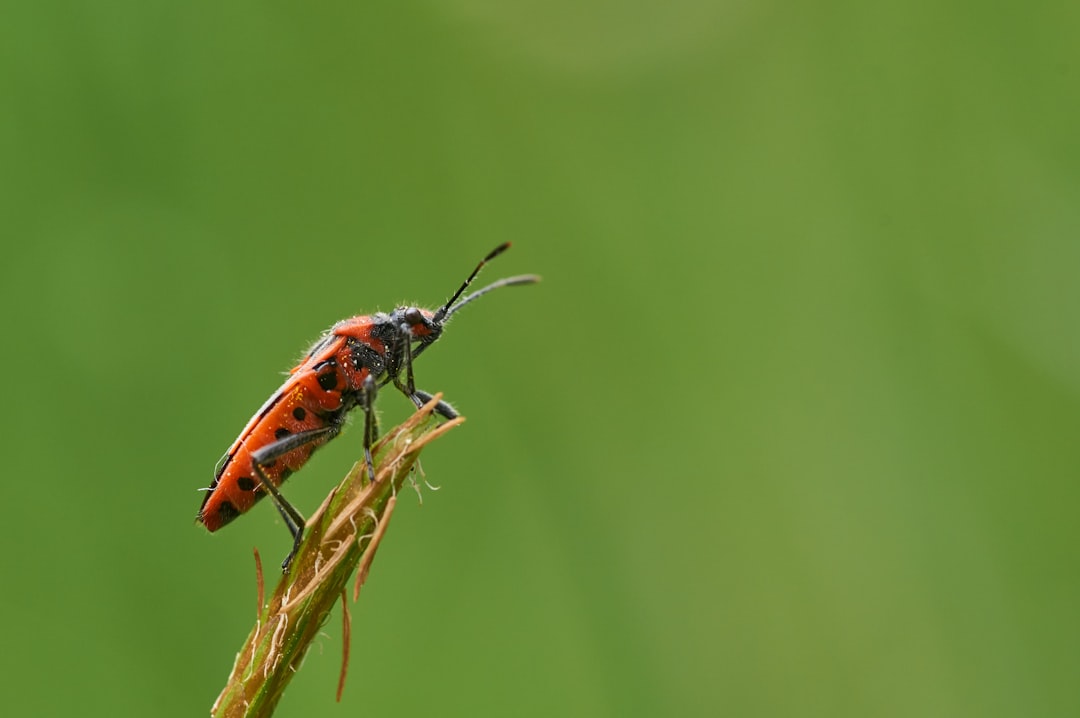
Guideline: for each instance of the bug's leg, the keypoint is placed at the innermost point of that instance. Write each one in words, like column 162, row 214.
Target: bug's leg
column 421, row 397
column 371, row 422
column 267, row 455
column 410, row 382
column 293, row 520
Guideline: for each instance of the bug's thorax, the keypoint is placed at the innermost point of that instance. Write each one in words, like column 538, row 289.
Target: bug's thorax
column 381, row 342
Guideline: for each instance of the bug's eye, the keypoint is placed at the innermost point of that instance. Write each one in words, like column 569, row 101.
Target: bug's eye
column 413, row 316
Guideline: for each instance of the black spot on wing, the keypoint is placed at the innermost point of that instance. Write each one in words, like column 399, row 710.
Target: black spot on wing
column 327, row 374
column 227, row 512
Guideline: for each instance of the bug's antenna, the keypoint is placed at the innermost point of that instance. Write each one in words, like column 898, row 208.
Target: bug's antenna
column 447, row 309
column 507, row 282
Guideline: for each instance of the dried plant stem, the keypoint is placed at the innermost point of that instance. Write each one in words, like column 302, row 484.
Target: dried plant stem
column 343, row 532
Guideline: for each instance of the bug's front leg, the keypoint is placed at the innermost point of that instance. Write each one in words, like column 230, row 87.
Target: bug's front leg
column 418, row 396
column 421, row 397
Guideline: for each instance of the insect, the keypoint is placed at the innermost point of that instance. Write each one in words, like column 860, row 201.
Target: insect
column 342, row 371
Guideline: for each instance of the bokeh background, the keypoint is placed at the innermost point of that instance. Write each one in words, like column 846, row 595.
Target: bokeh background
column 789, row 429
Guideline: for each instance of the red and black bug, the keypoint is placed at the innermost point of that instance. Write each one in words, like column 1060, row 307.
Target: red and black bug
column 342, row 371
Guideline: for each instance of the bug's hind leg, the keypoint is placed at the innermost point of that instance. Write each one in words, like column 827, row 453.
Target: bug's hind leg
column 293, row 520
column 265, row 456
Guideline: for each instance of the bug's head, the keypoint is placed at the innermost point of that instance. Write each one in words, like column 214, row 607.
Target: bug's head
column 419, row 324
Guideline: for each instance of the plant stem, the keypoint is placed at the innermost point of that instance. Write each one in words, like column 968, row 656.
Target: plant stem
column 344, row 530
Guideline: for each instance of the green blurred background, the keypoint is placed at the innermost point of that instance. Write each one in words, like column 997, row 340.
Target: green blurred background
column 789, row 429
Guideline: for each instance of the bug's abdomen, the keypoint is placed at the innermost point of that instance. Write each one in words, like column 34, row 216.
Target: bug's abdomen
column 316, row 400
